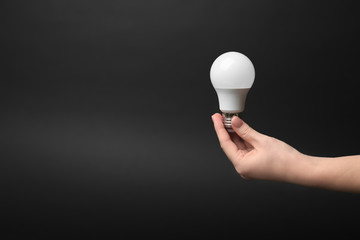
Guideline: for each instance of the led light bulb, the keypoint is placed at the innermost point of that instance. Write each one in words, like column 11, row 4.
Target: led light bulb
column 232, row 74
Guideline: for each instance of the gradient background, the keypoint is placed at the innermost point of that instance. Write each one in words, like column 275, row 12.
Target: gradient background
column 106, row 105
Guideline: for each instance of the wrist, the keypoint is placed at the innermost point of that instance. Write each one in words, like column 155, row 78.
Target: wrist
column 303, row 170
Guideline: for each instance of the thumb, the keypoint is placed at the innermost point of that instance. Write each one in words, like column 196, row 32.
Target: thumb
column 244, row 130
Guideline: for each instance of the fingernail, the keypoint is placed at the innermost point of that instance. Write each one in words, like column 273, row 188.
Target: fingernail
column 236, row 122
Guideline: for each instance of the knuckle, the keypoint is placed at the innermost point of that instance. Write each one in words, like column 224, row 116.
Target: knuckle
column 222, row 146
column 269, row 141
column 245, row 131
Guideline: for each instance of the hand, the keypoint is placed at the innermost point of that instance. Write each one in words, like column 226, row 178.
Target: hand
column 255, row 155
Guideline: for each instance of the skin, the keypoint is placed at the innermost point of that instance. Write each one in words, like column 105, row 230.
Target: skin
column 258, row 156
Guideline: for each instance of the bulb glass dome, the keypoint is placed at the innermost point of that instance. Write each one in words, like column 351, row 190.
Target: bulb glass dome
column 232, row 70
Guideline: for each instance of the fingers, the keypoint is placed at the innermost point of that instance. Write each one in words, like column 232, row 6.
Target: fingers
column 226, row 143
column 238, row 141
column 245, row 131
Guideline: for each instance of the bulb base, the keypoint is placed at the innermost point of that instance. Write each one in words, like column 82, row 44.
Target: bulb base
column 227, row 120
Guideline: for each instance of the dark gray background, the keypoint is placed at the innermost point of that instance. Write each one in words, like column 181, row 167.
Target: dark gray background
column 106, row 105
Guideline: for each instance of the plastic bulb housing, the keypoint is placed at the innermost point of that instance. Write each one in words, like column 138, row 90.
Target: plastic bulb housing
column 232, row 75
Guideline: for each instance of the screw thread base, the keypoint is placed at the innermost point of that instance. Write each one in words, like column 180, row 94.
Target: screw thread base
column 227, row 120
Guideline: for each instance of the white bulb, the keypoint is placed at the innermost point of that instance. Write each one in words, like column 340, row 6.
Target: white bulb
column 232, row 74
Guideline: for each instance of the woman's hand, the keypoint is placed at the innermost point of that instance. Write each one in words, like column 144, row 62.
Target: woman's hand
column 255, row 155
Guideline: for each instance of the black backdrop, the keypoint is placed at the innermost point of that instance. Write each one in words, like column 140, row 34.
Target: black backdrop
column 106, row 105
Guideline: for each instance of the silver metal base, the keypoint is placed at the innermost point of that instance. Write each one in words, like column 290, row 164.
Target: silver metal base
column 227, row 120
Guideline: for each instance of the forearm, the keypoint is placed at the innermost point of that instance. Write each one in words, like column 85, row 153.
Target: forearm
column 340, row 173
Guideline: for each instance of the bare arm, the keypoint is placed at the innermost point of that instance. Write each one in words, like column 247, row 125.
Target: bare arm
column 340, row 173
column 257, row 156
